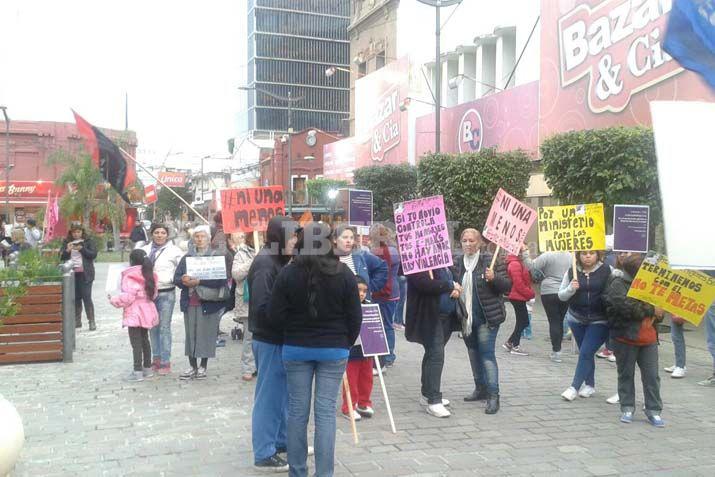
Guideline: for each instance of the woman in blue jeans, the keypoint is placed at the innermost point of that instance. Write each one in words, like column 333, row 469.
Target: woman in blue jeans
column 315, row 302
column 586, row 317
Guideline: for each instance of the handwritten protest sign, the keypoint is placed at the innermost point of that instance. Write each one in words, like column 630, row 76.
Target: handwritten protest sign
column 508, row 222
column 372, row 332
column 422, row 235
column 250, row 209
column 570, row 228
column 685, row 293
column 630, row 228
column 206, row 268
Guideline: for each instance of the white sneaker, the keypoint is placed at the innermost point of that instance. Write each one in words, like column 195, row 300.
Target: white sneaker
column 679, row 373
column 587, row 391
column 570, row 394
column 357, row 416
column 556, row 357
column 438, row 410
column 670, row 369
column 425, row 402
column 366, row 411
column 612, row 358
column 615, row 399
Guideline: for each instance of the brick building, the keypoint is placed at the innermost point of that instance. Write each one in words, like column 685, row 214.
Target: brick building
column 31, row 177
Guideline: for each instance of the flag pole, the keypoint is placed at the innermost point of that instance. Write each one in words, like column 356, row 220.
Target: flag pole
column 164, row 185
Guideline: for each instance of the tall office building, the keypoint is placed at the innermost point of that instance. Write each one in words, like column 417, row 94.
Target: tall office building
column 291, row 43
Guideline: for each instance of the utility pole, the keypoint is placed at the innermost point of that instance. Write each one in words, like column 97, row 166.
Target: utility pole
column 7, row 164
column 437, row 4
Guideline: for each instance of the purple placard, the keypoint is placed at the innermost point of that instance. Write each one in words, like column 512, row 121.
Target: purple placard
column 630, row 228
column 359, row 208
column 422, row 235
column 372, row 332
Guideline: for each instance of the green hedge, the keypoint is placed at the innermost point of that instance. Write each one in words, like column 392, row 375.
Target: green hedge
column 612, row 166
column 389, row 184
column 469, row 182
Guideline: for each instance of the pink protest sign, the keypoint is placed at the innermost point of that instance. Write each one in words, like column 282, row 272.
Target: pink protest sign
column 422, row 235
column 508, row 222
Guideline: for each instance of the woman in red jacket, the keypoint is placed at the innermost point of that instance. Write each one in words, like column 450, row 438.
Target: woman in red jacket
column 520, row 293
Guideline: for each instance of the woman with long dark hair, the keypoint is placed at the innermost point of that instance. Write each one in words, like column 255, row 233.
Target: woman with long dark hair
column 315, row 303
column 139, row 289
column 80, row 249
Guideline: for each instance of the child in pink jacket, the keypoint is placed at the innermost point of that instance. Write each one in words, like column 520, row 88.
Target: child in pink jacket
column 138, row 291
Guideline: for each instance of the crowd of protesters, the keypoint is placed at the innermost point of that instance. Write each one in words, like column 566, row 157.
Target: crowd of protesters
column 298, row 290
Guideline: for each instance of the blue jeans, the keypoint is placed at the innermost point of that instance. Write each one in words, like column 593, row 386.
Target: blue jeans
column 676, row 335
column 400, row 309
column 328, row 377
column 589, row 338
column 387, row 309
column 160, row 335
column 710, row 331
column 270, row 403
column 480, row 348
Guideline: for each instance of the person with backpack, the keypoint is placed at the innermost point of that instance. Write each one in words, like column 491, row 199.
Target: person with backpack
column 382, row 245
column 138, row 292
column 520, row 293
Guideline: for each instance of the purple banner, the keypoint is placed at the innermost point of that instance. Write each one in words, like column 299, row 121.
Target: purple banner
column 360, row 208
column 372, row 332
column 630, row 228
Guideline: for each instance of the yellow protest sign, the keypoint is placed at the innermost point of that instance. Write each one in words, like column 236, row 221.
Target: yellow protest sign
column 570, row 228
column 686, row 293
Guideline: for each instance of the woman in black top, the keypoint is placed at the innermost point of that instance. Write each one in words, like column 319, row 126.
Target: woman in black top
column 315, row 302
column 81, row 251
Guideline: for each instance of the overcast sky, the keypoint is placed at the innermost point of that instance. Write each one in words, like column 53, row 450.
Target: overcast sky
column 178, row 61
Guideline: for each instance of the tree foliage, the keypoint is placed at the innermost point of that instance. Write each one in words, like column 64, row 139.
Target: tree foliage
column 612, row 166
column 390, row 184
column 318, row 189
column 469, row 182
column 168, row 203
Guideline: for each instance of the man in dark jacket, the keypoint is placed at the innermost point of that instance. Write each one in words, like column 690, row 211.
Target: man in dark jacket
column 483, row 293
column 270, row 408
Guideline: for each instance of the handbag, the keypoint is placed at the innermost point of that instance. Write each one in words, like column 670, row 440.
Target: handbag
column 462, row 316
column 213, row 294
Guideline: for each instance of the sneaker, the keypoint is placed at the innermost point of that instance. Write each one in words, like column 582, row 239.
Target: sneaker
column 156, row 363
column 438, row 410
column 148, row 373
column 710, row 382
column 375, row 373
column 366, row 411
column 656, row 420
column 164, row 370
column 220, row 343
column 570, row 394
column 670, row 369
column 135, row 377
column 398, row 327
column 587, row 391
column 247, row 377
column 188, row 374
column 356, row 416
column 627, row 417
column 516, row 350
column 274, row 463
column 507, row 346
column 201, row 373
column 615, row 399
column 679, row 373
column 605, row 353
column 555, row 357
column 612, row 358
column 425, row 402
column 284, row 450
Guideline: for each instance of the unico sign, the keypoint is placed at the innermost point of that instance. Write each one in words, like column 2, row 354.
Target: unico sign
column 173, row 179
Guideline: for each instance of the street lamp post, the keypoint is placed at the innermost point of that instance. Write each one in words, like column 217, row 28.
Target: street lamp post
column 7, row 164
column 290, row 100
column 438, row 65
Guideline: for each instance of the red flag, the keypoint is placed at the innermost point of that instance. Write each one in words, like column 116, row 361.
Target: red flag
column 107, row 157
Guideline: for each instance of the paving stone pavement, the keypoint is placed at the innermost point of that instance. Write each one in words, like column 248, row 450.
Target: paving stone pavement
column 83, row 419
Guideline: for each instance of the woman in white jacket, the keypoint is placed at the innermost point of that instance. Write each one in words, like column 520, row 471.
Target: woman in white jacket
column 166, row 257
column 245, row 253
